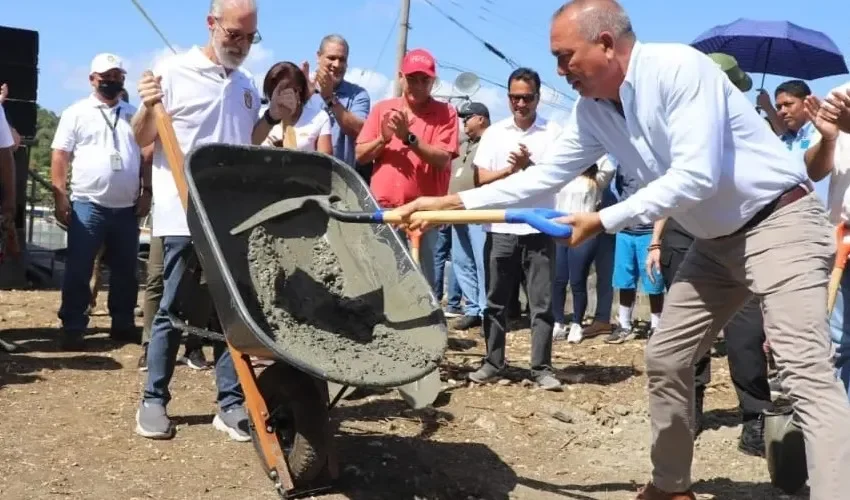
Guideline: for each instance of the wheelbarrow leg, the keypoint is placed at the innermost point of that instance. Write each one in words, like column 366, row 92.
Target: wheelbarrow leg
column 272, row 454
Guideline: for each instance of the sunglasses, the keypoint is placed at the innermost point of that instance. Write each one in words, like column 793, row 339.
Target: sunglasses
column 233, row 36
column 515, row 98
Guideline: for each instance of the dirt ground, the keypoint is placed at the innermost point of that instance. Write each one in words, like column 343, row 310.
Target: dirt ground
column 66, row 425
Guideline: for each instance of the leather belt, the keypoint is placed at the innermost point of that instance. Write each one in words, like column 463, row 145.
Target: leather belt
column 783, row 200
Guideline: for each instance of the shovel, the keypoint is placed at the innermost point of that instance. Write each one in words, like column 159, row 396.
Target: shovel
column 538, row 218
column 841, row 255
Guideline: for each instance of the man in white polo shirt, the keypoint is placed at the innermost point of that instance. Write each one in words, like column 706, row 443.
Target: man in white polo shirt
column 514, row 250
column 732, row 185
column 210, row 100
column 830, row 156
column 100, row 210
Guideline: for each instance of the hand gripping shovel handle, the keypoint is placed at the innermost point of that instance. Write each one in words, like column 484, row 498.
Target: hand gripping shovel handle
column 841, row 255
column 538, row 218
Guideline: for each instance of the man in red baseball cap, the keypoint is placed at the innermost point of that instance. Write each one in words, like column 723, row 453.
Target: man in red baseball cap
column 412, row 141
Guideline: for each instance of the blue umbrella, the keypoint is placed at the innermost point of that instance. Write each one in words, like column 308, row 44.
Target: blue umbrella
column 775, row 47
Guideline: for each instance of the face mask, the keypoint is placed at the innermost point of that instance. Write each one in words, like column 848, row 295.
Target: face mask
column 109, row 89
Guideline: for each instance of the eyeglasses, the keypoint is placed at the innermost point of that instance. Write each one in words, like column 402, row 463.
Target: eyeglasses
column 522, row 97
column 233, row 36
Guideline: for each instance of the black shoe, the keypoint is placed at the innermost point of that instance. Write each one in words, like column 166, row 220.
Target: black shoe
column 466, row 322
column 143, row 359
column 195, row 359
column 699, row 400
column 126, row 335
column 72, row 342
column 751, row 441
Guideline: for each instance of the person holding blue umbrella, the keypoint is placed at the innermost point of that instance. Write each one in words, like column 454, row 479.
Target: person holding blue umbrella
column 705, row 158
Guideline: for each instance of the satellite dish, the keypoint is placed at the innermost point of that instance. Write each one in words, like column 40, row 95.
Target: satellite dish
column 467, row 83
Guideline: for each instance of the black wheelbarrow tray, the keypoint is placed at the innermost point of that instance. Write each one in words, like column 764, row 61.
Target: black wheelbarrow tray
column 326, row 301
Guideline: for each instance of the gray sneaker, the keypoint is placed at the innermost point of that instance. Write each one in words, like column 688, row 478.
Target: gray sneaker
column 620, row 335
column 152, row 421
column 487, row 373
column 234, row 422
column 548, row 382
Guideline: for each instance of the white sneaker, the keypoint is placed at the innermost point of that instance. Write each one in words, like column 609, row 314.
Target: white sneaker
column 576, row 334
column 559, row 332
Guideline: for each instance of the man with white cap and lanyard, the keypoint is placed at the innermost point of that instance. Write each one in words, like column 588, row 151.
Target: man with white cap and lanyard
column 108, row 192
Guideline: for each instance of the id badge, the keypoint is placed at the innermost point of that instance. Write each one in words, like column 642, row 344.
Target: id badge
column 115, row 162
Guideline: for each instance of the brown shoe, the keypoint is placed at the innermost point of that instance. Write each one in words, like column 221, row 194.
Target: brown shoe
column 651, row 492
column 598, row 328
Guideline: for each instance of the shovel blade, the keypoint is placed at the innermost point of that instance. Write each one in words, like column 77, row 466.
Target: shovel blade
column 282, row 207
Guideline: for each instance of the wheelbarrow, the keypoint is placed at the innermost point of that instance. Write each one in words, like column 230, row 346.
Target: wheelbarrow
column 260, row 280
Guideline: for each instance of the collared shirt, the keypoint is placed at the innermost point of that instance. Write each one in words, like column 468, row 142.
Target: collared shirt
column 463, row 173
column 94, row 132
column 798, row 142
column 313, row 123
column 355, row 99
column 6, row 139
column 503, row 138
column 399, row 174
column 693, row 141
column 206, row 106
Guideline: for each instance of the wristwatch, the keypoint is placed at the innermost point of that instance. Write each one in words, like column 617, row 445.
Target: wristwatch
column 268, row 118
column 409, row 140
column 329, row 103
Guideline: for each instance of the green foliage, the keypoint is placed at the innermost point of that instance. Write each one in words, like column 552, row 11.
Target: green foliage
column 46, row 123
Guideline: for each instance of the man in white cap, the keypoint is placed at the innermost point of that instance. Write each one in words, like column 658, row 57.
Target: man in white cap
column 109, row 190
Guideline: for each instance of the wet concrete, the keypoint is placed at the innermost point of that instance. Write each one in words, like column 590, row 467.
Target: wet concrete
column 341, row 300
column 302, row 297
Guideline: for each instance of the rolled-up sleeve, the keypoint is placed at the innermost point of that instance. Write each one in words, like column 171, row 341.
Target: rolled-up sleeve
column 573, row 151
column 692, row 93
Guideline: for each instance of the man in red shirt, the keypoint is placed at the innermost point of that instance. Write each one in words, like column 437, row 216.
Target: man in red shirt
column 412, row 140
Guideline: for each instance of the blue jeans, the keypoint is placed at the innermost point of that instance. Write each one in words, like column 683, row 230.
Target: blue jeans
column 839, row 325
column 165, row 339
column 560, row 282
column 442, row 255
column 91, row 227
column 572, row 267
column 468, row 263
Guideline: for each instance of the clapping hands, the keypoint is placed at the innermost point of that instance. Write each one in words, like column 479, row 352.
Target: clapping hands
column 519, row 160
column 283, row 104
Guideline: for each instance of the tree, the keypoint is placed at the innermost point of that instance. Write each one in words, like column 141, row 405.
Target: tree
column 46, row 123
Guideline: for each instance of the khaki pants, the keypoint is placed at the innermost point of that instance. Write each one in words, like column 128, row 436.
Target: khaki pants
column 153, row 287
column 785, row 260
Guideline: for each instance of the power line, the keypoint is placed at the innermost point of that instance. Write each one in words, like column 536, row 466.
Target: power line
column 383, row 48
column 490, row 47
column 487, row 45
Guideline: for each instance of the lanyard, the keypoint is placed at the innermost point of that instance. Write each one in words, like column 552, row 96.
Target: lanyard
column 112, row 126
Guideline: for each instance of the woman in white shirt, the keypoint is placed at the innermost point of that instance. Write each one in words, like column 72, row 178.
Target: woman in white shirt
column 572, row 265
column 312, row 124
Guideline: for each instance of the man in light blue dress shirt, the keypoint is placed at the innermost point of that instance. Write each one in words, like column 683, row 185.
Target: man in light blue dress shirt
column 727, row 181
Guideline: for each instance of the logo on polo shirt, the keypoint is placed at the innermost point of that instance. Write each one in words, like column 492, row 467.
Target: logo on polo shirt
column 249, row 99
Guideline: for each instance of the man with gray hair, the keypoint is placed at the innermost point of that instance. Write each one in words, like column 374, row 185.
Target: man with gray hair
column 732, row 185
column 345, row 102
column 210, row 100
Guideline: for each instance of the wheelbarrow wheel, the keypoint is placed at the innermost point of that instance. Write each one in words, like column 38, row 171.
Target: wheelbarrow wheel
column 298, row 413
column 785, row 450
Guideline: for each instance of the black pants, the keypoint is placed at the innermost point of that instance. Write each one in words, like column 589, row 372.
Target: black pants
column 506, row 256
column 744, row 339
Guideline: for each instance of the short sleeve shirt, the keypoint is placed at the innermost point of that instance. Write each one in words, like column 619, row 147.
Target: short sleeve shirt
column 399, row 175
column 313, row 123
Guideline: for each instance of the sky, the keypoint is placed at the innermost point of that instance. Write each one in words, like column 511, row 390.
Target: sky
column 70, row 36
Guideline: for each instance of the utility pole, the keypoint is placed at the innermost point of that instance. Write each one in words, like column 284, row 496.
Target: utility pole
column 402, row 42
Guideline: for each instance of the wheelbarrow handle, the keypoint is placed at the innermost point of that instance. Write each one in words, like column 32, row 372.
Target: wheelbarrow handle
column 538, row 218
column 841, row 255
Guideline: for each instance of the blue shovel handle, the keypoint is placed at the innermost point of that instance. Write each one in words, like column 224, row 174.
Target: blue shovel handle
column 541, row 220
